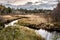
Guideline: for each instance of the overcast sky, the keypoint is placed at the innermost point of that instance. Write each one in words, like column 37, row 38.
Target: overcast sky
column 22, row 2
column 30, row 4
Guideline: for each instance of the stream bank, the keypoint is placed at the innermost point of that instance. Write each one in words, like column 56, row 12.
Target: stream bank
column 45, row 34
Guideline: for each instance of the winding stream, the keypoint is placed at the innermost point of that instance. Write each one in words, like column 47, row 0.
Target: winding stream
column 43, row 33
column 11, row 23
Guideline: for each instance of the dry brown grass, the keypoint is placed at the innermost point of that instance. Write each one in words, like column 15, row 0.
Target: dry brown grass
column 33, row 19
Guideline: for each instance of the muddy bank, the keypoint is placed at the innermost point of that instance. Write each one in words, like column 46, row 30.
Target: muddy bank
column 48, row 27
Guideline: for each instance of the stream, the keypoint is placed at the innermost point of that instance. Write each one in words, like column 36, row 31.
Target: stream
column 11, row 23
column 45, row 34
column 48, row 35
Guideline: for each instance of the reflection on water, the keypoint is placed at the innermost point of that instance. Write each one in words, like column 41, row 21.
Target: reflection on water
column 48, row 35
column 11, row 23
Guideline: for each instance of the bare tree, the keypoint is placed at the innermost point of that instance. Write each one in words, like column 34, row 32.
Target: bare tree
column 56, row 13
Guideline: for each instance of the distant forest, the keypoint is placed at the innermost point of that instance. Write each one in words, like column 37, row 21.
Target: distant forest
column 8, row 10
column 4, row 10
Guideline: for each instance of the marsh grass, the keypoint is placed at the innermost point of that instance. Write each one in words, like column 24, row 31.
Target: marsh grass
column 18, row 33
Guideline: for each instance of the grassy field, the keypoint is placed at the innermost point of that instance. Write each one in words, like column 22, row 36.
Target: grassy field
column 35, row 17
column 19, row 33
column 9, row 17
column 37, row 22
column 21, row 30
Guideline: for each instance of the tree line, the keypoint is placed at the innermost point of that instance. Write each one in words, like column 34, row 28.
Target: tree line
column 4, row 10
column 34, row 10
column 8, row 10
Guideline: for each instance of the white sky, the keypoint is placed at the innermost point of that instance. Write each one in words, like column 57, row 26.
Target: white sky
column 22, row 2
